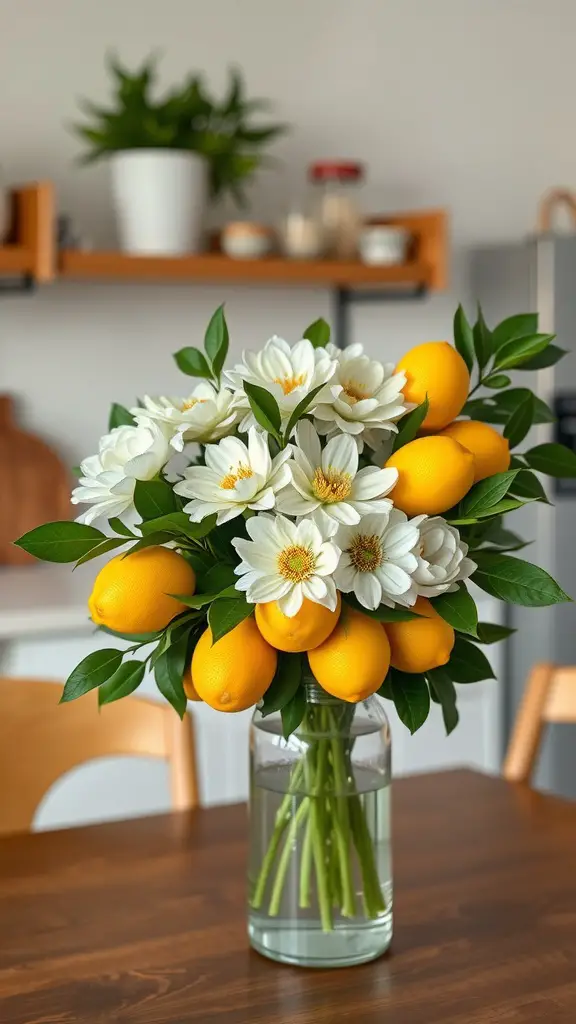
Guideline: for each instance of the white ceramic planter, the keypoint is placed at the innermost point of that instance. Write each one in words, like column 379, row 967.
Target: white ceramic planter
column 160, row 199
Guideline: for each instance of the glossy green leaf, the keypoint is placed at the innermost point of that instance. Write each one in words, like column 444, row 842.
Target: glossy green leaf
column 101, row 549
column 201, row 600
column 492, row 632
column 217, row 340
column 442, row 686
column 92, row 671
column 463, row 338
column 284, row 685
column 411, row 698
column 265, row 408
column 410, row 424
column 178, row 523
column 61, row 541
column 458, row 609
column 496, row 381
column 486, row 494
column 520, row 422
column 126, row 680
column 527, row 485
column 516, row 581
column 521, row 325
column 552, row 459
column 158, row 537
column 169, row 673
column 483, row 344
column 192, row 362
column 468, row 664
column 154, row 498
column 119, row 527
column 120, row 417
column 299, row 411
column 548, row 357
column 318, row 333
column 293, row 712
column 226, row 613
column 518, row 351
column 498, row 408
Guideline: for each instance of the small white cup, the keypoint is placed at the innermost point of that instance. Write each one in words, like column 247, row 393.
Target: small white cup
column 383, row 244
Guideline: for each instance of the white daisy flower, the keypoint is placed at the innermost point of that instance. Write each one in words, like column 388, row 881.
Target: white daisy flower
column 207, row 414
column 125, row 455
column 327, row 485
column 369, row 400
column 378, row 558
column 286, row 562
column 236, row 477
column 442, row 557
column 289, row 374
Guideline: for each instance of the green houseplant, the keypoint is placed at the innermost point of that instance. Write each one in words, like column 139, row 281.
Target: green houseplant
column 169, row 153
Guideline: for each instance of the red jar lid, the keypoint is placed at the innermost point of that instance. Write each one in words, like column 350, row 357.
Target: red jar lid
column 336, row 170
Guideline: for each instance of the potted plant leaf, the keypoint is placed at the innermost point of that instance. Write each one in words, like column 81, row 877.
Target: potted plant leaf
column 169, row 154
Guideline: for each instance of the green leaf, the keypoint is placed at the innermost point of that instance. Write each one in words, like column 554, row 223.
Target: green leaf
column 498, row 408
column 385, row 690
column 92, row 671
column 463, row 338
column 483, row 344
column 150, row 541
column 60, row 542
column 192, row 362
column 486, row 494
column 527, row 485
column 442, row 686
column 552, row 459
column 382, row 613
column 216, row 341
column 293, row 713
column 411, row 698
column 318, row 333
column 410, row 424
column 299, row 411
column 518, row 351
column 154, row 498
column 120, row 417
column 119, row 527
column 178, row 523
column 133, row 638
column 106, row 545
column 506, row 505
column 265, row 408
column 502, row 538
column 491, row 632
column 520, row 422
column 125, row 680
column 458, row 609
column 520, row 326
column 516, row 581
column 548, row 357
column 284, row 685
column 169, row 672
column 226, row 613
column 468, row 664
column 200, row 600
column 497, row 380
column 220, row 577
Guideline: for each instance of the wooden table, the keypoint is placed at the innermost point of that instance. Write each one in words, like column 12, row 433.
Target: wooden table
column 143, row 921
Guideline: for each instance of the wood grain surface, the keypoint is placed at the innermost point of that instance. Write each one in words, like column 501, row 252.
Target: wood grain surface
column 143, row 922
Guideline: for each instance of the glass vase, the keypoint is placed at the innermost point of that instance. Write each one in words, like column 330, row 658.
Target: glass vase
column 320, row 874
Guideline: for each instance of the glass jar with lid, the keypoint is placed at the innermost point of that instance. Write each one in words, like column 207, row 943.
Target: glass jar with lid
column 338, row 211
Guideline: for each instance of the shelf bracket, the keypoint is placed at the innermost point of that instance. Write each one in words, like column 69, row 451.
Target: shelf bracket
column 25, row 283
column 344, row 298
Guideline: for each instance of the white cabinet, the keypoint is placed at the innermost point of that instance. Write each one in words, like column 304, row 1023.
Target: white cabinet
column 44, row 632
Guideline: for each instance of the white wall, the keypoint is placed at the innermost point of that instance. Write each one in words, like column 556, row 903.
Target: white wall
column 460, row 103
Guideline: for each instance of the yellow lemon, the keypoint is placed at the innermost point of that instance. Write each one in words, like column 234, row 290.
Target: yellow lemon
column 132, row 594
column 436, row 369
column 235, row 672
column 353, row 662
column 434, row 473
column 189, row 688
column 303, row 631
column 420, row 644
column 491, row 451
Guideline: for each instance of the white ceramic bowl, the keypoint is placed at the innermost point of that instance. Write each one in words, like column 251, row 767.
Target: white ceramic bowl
column 383, row 244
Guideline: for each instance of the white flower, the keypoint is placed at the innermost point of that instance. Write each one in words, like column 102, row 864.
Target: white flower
column 369, row 400
column 125, row 455
column 236, row 477
column 207, row 414
column 378, row 558
column 442, row 557
column 327, row 485
column 286, row 562
column 289, row 374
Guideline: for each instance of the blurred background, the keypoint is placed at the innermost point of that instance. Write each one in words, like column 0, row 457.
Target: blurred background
column 454, row 106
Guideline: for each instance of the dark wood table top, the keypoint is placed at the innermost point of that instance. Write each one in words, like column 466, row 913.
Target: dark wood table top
column 142, row 922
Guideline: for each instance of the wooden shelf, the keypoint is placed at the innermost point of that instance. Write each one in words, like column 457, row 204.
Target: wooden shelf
column 30, row 250
column 426, row 268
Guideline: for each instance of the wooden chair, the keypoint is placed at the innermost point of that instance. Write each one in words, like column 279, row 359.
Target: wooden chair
column 40, row 740
column 550, row 696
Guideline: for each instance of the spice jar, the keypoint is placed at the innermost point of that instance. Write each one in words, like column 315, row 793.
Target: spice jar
column 338, row 213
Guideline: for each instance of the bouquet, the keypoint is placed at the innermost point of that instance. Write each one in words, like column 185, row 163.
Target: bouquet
column 313, row 517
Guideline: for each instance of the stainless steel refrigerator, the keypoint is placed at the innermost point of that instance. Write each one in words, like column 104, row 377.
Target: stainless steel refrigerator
column 540, row 275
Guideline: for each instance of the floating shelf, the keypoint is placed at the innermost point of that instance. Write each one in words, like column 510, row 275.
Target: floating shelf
column 29, row 255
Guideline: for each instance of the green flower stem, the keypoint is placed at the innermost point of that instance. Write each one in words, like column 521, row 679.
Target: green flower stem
column 282, row 819
column 306, row 869
column 374, row 901
column 278, row 888
column 342, row 826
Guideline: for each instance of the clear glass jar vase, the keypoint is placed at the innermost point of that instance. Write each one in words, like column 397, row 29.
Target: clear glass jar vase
column 320, row 874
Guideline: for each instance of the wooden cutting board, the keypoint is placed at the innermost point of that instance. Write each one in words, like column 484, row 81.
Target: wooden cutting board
column 34, row 485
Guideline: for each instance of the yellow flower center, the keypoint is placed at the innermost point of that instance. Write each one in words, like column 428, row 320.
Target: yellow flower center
column 240, row 472
column 366, row 552
column 191, row 403
column 354, row 392
column 331, row 484
column 289, row 383
column 296, row 563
